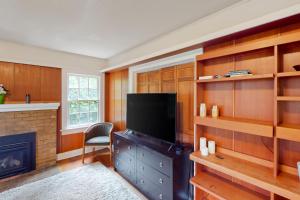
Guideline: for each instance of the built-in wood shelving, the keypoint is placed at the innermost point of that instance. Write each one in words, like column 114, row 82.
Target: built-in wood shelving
column 288, row 74
column 288, row 98
column 262, row 135
column 288, row 132
column 238, row 78
column 253, row 127
column 284, row 184
column 223, row 189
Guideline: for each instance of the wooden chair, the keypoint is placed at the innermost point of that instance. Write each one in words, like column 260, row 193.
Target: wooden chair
column 98, row 135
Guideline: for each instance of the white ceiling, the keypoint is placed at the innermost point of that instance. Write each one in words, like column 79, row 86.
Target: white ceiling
column 98, row 28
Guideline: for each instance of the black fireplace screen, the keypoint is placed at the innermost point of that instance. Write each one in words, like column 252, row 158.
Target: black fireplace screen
column 17, row 154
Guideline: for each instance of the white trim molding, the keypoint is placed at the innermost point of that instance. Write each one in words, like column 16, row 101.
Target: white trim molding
column 178, row 59
column 28, row 107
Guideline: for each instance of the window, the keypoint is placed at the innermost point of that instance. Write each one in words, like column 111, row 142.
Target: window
column 83, row 100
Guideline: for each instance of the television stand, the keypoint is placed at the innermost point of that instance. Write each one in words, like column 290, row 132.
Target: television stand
column 156, row 169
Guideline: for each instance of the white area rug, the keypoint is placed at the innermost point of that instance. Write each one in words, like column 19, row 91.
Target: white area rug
column 91, row 182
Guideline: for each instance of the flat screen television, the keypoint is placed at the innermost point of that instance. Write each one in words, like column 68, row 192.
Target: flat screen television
column 153, row 115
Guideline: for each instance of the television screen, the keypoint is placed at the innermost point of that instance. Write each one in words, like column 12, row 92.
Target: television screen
column 153, row 115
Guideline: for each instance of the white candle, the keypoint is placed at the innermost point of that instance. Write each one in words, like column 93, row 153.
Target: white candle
column 298, row 165
column 204, row 151
column 202, row 142
column 212, row 147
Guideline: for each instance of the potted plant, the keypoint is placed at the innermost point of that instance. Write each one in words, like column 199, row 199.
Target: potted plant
column 3, row 92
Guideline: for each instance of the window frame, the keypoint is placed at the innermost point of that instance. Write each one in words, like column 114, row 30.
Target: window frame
column 69, row 126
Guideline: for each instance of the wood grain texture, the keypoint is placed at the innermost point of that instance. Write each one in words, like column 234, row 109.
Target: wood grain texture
column 71, row 142
column 7, row 78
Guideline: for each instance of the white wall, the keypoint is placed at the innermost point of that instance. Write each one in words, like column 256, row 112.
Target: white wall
column 70, row 63
column 240, row 16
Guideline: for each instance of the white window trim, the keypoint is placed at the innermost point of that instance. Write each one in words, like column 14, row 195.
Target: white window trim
column 80, row 128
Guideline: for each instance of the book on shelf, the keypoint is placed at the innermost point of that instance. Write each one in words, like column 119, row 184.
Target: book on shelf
column 205, row 77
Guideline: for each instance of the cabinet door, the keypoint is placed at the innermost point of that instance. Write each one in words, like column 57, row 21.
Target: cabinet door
column 168, row 76
column 154, row 81
column 142, row 83
column 7, row 78
column 50, row 84
column 185, row 102
column 27, row 81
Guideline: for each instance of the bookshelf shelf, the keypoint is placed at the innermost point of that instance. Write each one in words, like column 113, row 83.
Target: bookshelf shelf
column 288, row 98
column 288, row 132
column 223, row 189
column 284, row 184
column 252, row 127
column 238, row 78
column 288, row 74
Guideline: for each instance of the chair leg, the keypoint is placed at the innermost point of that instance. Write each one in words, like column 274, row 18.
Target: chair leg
column 83, row 152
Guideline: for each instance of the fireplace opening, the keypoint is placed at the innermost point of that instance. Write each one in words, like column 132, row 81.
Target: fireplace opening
column 17, row 154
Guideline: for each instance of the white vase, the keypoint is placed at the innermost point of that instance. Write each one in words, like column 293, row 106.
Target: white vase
column 298, row 165
column 215, row 111
column 202, row 110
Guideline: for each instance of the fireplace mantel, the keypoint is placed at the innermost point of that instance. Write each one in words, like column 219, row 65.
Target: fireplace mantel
column 28, row 107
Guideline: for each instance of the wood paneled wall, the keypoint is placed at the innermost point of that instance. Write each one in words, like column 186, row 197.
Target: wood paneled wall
column 42, row 83
column 177, row 79
column 116, row 88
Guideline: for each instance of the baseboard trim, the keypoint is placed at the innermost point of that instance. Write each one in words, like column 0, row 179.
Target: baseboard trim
column 76, row 152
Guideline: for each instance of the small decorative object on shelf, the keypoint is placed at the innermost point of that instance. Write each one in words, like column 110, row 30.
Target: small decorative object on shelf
column 202, row 110
column 3, row 93
column 297, row 67
column 215, row 111
column 236, row 73
column 27, row 98
column 298, row 165
column 205, row 77
column 202, row 142
column 212, row 147
column 204, row 151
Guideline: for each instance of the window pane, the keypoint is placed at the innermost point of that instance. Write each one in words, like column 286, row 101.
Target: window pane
column 93, row 94
column 84, row 94
column 94, row 106
column 93, row 117
column 74, row 119
column 73, row 94
column 84, row 106
column 84, row 118
column 93, row 83
column 73, row 82
column 84, row 82
column 74, row 108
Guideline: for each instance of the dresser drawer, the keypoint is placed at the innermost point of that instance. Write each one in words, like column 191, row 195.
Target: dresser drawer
column 124, row 146
column 155, row 160
column 126, row 168
column 152, row 191
column 156, row 177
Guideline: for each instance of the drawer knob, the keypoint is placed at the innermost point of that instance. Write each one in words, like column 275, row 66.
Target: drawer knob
column 118, row 141
column 117, row 163
column 143, row 154
column 143, row 168
column 142, row 181
column 161, row 164
column 161, row 181
column 129, row 147
column 118, row 151
column 160, row 196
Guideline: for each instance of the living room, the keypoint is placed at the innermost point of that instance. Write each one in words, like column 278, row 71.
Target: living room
column 106, row 99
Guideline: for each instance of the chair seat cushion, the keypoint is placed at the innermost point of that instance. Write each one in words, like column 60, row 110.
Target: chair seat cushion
column 100, row 140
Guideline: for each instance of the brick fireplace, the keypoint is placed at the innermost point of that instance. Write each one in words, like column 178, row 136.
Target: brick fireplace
column 42, row 122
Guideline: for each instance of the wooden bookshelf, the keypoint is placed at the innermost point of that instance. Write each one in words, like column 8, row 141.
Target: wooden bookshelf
column 238, row 78
column 259, row 114
column 286, row 185
column 288, row 132
column 253, row 127
column 223, row 189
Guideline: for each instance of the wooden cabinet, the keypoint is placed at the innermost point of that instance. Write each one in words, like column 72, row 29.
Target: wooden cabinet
column 116, row 94
column 50, row 84
column 176, row 79
column 7, row 78
column 27, row 81
column 168, row 79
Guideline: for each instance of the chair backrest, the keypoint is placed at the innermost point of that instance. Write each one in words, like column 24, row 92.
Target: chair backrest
column 98, row 129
